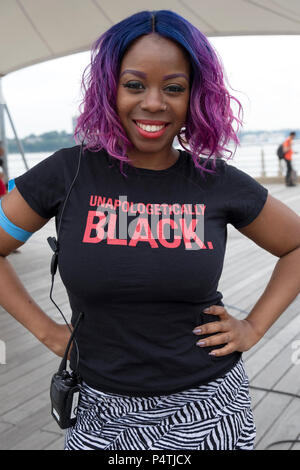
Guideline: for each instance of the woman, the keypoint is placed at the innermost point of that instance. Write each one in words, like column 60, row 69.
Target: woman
column 142, row 242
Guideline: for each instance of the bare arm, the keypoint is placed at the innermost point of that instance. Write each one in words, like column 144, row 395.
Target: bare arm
column 276, row 230
column 14, row 298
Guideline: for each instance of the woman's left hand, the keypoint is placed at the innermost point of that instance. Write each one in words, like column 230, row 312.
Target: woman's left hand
column 238, row 335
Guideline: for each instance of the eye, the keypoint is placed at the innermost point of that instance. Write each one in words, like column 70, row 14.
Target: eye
column 175, row 88
column 133, row 85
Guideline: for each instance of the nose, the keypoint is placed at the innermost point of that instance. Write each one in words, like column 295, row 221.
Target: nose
column 153, row 101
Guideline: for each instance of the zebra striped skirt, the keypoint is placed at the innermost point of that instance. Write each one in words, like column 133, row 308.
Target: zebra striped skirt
column 214, row 416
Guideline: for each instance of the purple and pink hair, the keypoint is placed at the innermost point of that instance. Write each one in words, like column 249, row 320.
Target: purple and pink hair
column 210, row 120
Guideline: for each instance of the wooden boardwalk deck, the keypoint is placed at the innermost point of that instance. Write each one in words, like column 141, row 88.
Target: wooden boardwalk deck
column 25, row 420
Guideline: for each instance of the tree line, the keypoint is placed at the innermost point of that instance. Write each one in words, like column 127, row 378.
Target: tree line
column 47, row 142
column 51, row 141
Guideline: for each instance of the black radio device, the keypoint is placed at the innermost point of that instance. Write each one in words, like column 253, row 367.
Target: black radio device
column 64, row 390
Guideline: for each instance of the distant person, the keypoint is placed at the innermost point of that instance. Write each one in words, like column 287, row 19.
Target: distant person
column 290, row 179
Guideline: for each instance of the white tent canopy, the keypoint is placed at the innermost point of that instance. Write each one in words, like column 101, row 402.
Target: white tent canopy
column 33, row 31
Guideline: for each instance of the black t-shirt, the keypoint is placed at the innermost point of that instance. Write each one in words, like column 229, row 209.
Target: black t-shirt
column 141, row 258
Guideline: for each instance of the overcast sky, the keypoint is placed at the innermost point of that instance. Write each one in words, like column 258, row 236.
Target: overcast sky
column 264, row 72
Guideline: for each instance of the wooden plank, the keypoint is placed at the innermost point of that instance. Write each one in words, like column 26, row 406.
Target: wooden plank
column 24, row 408
column 266, row 414
column 17, row 434
column 27, row 386
column 53, row 427
column 256, row 396
column 244, row 282
column 290, row 380
column 17, row 362
column 271, row 375
column 249, row 258
column 37, row 440
column 4, row 427
column 58, row 444
column 297, row 445
column 285, row 427
column 24, row 367
column 259, row 361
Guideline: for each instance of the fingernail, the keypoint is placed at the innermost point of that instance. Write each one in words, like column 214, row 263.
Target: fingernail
column 197, row 330
column 200, row 343
column 206, row 310
column 212, row 353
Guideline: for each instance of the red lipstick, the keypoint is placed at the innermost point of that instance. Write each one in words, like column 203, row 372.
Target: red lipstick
column 150, row 122
column 151, row 135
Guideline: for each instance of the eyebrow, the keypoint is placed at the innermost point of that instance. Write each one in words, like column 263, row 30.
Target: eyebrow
column 134, row 72
column 144, row 75
column 175, row 75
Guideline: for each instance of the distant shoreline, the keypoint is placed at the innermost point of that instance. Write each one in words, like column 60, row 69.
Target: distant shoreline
column 51, row 141
column 47, row 142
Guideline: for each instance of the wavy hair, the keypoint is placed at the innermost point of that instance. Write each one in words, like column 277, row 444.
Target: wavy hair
column 210, row 120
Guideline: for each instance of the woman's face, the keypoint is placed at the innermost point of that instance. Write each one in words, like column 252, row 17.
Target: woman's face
column 153, row 91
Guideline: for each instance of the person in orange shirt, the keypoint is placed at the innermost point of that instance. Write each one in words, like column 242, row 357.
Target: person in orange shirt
column 288, row 154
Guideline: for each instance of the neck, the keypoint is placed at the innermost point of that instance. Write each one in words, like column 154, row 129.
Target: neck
column 153, row 160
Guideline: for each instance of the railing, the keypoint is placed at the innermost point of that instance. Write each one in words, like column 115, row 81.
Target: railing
column 281, row 165
column 261, row 160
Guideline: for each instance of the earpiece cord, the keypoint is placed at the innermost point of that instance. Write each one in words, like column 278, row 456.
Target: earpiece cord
column 63, row 364
column 75, row 342
column 51, row 289
column 56, row 250
column 70, row 189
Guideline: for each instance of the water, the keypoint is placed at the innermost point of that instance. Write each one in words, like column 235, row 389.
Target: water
column 247, row 158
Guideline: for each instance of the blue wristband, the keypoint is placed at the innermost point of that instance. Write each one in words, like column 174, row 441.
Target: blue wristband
column 11, row 185
column 10, row 228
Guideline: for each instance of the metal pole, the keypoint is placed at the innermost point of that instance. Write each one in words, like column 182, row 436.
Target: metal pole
column 3, row 135
column 263, row 170
column 21, row 150
column 280, row 169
